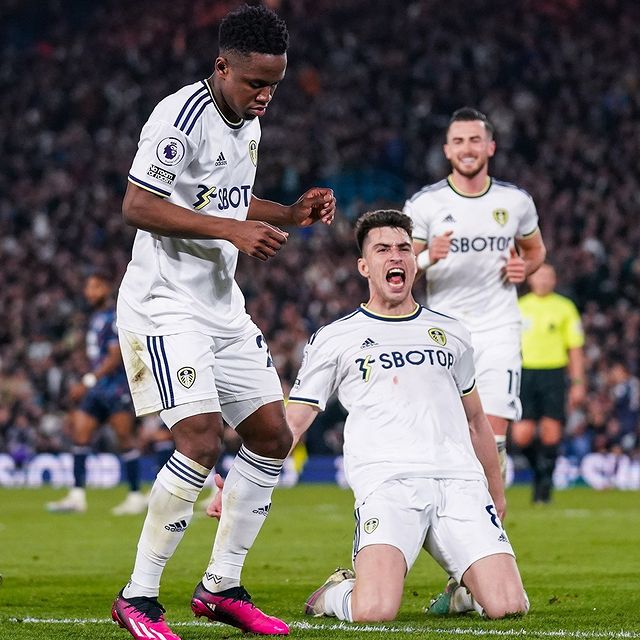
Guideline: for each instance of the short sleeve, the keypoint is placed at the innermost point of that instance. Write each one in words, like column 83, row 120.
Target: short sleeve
column 464, row 371
column 574, row 333
column 528, row 224
column 316, row 380
column 163, row 153
column 420, row 222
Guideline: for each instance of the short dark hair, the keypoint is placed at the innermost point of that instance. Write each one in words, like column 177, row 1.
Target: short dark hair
column 381, row 218
column 469, row 114
column 250, row 30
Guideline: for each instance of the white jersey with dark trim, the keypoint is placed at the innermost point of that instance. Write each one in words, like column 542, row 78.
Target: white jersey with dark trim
column 400, row 378
column 468, row 284
column 192, row 156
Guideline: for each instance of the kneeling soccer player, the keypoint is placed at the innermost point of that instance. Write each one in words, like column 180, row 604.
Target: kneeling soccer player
column 419, row 453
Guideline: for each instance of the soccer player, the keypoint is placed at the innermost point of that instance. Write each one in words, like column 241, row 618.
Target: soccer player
column 552, row 341
column 103, row 395
column 419, row 452
column 477, row 238
column 190, row 349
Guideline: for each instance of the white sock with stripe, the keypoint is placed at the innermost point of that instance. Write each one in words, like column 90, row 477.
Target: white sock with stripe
column 246, row 500
column 337, row 600
column 170, row 511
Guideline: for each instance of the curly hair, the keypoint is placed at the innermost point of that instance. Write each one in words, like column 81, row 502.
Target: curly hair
column 381, row 218
column 250, row 30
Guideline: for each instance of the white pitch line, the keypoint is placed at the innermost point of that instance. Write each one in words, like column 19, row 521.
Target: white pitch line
column 376, row 628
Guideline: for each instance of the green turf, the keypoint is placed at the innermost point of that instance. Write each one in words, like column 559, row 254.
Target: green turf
column 579, row 557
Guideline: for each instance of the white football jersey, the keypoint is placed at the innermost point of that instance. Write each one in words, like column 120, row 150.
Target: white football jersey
column 468, row 283
column 400, row 378
column 190, row 154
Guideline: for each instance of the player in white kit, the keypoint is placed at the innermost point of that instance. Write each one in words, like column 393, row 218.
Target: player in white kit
column 418, row 452
column 477, row 238
column 190, row 350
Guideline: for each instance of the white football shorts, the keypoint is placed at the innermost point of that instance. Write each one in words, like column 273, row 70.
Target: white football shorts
column 454, row 520
column 498, row 363
column 188, row 368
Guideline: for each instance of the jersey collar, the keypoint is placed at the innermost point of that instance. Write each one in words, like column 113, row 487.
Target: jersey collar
column 379, row 316
column 470, row 195
column 231, row 125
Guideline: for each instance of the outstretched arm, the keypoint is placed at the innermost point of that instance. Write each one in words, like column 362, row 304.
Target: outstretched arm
column 484, row 445
column 299, row 417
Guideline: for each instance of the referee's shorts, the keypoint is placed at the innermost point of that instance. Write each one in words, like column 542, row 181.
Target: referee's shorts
column 543, row 394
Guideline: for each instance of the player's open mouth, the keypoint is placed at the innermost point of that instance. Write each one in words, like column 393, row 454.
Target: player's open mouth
column 396, row 276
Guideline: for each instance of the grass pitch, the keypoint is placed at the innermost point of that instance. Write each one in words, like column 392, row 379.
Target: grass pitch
column 579, row 557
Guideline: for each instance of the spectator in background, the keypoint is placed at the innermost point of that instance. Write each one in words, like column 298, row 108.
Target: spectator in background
column 552, row 347
column 625, row 397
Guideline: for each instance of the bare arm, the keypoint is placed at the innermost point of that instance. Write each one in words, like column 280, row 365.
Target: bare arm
column 299, row 418
column 577, row 390
column 532, row 251
column 110, row 363
column 317, row 204
column 149, row 212
column 484, row 445
column 437, row 250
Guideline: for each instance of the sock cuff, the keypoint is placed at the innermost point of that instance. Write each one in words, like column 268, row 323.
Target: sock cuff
column 80, row 450
column 259, row 469
column 183, row 477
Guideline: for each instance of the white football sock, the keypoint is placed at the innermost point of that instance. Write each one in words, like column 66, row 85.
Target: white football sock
column 169, row 513
column 246, row 500
column 462, row 601
column 501, row 443
column 337, row 600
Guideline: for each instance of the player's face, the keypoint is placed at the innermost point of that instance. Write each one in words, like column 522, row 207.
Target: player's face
column 247, row 83
column 543, row 281
column 96, row 291
column 389, row 264
column 469, row 147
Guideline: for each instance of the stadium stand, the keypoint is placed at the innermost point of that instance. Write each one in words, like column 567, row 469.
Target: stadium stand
column 363, row 109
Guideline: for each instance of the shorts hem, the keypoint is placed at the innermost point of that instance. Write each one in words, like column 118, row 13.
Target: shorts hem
column 158, row 406
column 251, row 395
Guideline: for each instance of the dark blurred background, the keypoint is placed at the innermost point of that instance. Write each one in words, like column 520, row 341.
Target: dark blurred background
column 368, row 93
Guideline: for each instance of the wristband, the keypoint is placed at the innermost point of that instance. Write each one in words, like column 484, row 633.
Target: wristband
column 423, row 260
column 89, row 380
column 577, row 381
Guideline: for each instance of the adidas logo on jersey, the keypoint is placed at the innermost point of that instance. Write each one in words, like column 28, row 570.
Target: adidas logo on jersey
column 262, row 511
column 448, row 218
column 177, row 527
column 369, row 342
column 221, row 161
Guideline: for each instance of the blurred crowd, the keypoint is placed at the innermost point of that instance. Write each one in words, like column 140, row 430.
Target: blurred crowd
column 363, row 108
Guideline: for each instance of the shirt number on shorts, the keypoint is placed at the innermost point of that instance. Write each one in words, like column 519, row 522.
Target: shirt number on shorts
column 513, row 387
column 491, row 510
